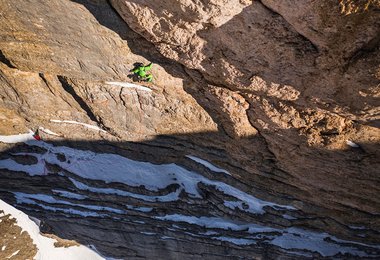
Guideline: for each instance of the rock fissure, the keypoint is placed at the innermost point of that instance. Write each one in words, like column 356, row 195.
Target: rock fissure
column 315, row 46
column 82, row 104
column 363, row 52
column 42, row 76
column 6, row 61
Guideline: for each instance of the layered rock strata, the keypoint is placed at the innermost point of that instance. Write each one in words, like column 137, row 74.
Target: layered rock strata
column 283, row 99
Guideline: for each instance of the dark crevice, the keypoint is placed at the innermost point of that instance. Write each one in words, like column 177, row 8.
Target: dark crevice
column 6, row 61
column 69, row 89
column 5, row 80
column 107, row 16
column 42, row 76
column 363, row 52
column 314, row 46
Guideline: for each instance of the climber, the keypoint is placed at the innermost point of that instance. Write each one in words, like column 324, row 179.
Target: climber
column 36, row 135
column 140, row 71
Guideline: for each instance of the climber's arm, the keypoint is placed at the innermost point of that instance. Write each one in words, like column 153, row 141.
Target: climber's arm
column 136, row 70
column 148, row 67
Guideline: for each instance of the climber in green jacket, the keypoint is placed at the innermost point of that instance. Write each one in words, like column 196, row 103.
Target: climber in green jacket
column 141, row 72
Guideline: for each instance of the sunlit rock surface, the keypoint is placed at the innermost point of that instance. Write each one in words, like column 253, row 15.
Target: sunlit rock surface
column 259, row 136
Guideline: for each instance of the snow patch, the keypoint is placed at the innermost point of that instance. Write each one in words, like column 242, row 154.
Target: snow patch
column 35, row 169
column 352, row 144
column 106, row 258
column 166, row 237
column 209, row 233
column 295, row 238
column 141, row 209
column 286, row 216
column 69, row 211
column 289, row 238
column 148, row 233
column 207, row 164
column 32, row 198
column 20, row 138
column 236, row 241
column 78, row 123
column 14, row 253
column 173, row 196
column 45, row 245
column 69, row 195
column 47, row 131
column 127, row 85
column 234, row 204
column 35, row 220
column 216, row 222
column 357, row 227
column 115, row 168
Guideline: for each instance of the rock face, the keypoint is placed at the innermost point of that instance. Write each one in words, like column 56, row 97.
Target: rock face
column 21, row 239
column 283, row 97
column 298, row 74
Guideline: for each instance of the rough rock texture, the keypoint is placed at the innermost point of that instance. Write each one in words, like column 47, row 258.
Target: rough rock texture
column 307, row 77
column 268, row 90
column 14, row 240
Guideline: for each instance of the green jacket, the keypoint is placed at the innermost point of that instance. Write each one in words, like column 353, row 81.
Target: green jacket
column 141, row 71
